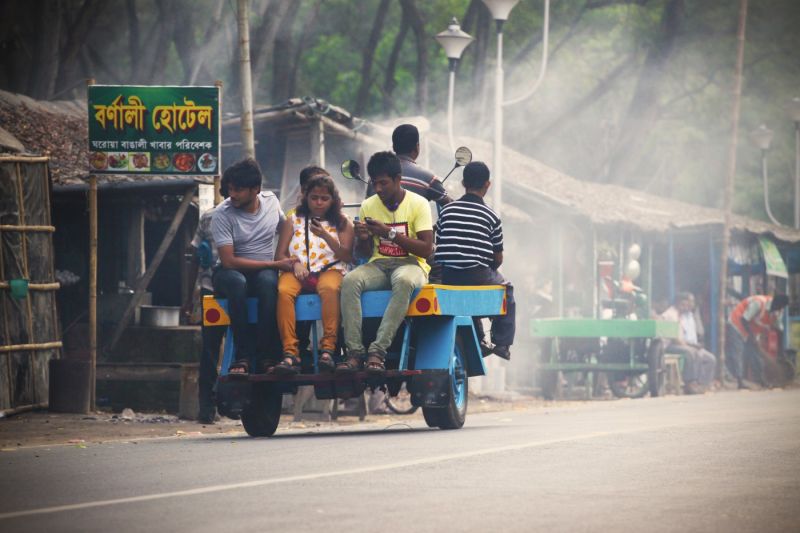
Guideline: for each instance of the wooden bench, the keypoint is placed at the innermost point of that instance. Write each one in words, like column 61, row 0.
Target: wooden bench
column 186, row 374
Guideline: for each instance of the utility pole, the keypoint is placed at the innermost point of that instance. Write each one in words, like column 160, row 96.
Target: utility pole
column 245, row 80
column 728, row 197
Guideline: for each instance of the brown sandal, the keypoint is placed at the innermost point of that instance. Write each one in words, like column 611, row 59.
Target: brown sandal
column 375, row 365
column 290, row 366
column 240, row 367
column 349, row 366
column 325, row 362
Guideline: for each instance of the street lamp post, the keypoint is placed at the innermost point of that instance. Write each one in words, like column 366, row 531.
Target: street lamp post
column 500, row 10
column 761, row 137
column 454, row 41
column 794, row 113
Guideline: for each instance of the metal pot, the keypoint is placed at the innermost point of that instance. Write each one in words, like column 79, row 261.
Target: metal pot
column 159, row 316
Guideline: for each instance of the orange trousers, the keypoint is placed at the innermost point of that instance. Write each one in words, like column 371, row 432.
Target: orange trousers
column 328, row 288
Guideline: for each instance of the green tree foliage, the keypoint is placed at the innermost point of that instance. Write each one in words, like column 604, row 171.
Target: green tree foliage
column 638, row 91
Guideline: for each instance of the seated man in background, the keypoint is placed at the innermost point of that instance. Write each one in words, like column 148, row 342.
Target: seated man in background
column 394, row 230
column 698, row 367
column 469, row 246
column 244, row 228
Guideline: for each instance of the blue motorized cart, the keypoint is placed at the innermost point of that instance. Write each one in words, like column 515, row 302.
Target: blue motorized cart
column 435, row 351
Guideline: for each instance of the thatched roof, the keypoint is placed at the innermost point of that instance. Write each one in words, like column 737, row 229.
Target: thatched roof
column 60, row 130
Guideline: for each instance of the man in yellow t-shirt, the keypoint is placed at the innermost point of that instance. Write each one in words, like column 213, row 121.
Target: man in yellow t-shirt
column 396, row 233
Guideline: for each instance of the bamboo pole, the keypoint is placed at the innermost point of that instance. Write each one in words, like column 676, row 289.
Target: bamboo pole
column 218, row 177
column 92, row 290
column 245, row 80
column 728, row 195
column 92, row 282
column 24, row 229
column 23, row 159
column 31, row 347
column 5, row 413
column 144, row 281
column 35, row 286
column 27, row 275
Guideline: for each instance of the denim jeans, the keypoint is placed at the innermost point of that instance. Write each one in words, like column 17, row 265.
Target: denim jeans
column 209, row 356
column 402, row 276
column 237, row 286
column 503, row 326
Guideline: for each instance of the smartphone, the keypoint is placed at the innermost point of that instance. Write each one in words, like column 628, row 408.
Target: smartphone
column 368, row 219
column 316, row 220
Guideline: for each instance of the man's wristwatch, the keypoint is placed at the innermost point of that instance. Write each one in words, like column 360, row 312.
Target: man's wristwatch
column 392, row 234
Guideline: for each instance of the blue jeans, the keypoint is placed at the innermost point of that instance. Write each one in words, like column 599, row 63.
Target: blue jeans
column 503, row 326
column 237, row 286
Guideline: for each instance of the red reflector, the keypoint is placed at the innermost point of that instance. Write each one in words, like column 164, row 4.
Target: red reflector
column 504, row 305
column 212, row 315
column 423, row 305
column 436, row 305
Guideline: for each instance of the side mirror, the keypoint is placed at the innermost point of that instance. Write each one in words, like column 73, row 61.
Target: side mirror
column 463, row 157
column 352, row 170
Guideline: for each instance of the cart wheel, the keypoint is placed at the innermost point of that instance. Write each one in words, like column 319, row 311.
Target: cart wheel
column 629, row 386
column 432, row 416
column 453, row 416
column 551, row 385
column 655, row 370
column 261, row 417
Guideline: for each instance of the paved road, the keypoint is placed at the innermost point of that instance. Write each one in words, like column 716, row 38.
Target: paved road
column 724, row 462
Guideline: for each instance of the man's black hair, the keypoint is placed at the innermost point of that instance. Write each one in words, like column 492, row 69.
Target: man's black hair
column 476, row 174
column 309, row 172
column 223, row 187
column 384, row 163
column 243, row 174
column 779, row 301
column 405, row 138
column 684, row 295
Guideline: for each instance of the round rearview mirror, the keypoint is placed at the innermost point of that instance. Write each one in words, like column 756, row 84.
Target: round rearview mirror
column 463, row 156
column 351, row 170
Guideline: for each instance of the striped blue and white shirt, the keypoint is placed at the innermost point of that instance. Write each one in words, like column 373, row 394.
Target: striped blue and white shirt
column 468, row 234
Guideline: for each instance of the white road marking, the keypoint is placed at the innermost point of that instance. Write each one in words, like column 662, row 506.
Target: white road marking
column 319, row 475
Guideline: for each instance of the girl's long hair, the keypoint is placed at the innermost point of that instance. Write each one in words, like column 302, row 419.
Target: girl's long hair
column 334, row 214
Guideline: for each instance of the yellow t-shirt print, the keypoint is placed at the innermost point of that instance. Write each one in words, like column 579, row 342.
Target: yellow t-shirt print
column 412, row 216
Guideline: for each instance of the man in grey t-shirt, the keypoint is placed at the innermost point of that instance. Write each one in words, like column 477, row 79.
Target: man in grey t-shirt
column 244, row 228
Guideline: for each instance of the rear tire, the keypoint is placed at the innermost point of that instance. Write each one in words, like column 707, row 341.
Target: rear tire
column 261, row 417
column 431, row 416
column 454, row 415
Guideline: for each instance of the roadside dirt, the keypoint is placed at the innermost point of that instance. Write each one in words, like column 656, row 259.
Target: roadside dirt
column 53, row 429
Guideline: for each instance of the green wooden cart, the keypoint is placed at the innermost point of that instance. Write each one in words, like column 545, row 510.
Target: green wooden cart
column 630, row 352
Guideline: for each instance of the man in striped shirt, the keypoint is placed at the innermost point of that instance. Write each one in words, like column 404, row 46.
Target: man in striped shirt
column 469, row 246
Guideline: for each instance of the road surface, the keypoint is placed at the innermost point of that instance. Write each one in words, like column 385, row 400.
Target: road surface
column 722, row 462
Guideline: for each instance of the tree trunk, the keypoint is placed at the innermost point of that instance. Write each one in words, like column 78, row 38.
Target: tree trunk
column 211, row 37
column 77, row 34
column 43, row 75
column 643, row 109
column 418, row 27
column 264, row 37
column 133, row 36
column 167, row 27
column 390, row 82
column 282, row 56
column 308, row 29
column 245, row 80
column 368, row 57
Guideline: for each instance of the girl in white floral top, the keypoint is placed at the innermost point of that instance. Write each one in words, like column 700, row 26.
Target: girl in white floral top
column 320, row 239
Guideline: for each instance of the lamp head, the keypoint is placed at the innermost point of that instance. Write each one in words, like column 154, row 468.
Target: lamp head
column 794, row 109
column 454, row 40
column 761, row 137
column 500, row 9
